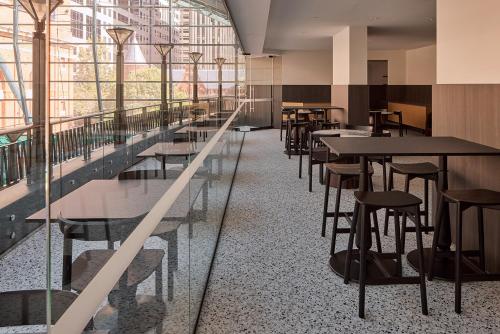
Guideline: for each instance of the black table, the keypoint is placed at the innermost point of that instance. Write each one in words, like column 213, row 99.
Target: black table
column 305, row 109
column 441, row 147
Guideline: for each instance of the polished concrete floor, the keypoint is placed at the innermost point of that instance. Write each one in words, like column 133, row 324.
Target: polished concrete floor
column 271, row 272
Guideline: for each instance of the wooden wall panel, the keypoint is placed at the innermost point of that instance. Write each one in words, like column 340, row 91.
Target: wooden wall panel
column 340, row 98
column 472, row 112
column 358, row 105
column 277, row 102
column 307, row 93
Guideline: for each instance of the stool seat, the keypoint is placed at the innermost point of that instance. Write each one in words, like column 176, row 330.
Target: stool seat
column 346, row 169
column 473, row 196
column 299, row 123
column 421, row 168
column 319, row 153
column 387, row 199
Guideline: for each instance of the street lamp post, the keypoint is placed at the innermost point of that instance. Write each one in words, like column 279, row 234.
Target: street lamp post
column 220, row 62
column 195, row 57
column 120, row 37
column 164, row 50
column 38, row 11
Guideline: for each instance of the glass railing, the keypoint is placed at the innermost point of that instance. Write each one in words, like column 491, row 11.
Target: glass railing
column 134, row 221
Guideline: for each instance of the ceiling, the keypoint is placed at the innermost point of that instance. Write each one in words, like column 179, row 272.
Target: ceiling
column 275, row 26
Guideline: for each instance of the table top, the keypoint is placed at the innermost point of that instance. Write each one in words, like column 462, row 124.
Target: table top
column 382, row 112
column 407, row 146
column 187, row 129
column 215, row 119
column 169, row 148
column 342, row 133
column 179, row 149
column 312, row 106
column 118, row 199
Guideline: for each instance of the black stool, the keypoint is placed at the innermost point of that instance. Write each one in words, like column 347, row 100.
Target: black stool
column 297, row 127
column 426, row 171
column 285, row 116
column 369, row 202
column 318, row 152
column 464, row 199
column 344, row 172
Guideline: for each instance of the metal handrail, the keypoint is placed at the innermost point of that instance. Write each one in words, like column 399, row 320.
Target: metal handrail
column 80, row 140
column 97, row 114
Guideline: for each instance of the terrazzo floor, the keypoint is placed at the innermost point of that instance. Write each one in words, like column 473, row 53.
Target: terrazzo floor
column 271, row 272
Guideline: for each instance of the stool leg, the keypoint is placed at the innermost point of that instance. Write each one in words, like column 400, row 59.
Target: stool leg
column 281, row 131
column 300, row 160
column 352, row 232
column 420, row 248
column 325, row 205
column 458, row 261
column 384, row 174
column 435, row 239
column 321, row 173
column 397, row 236
column 336, row 216
column 375, row 221
column 480, row 228
column 309, row 167
column 390, row 186
column 362, row 262
column 405, row 216
column 426, row 206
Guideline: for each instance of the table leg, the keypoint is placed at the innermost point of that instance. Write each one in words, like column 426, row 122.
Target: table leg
column 444, row 263
column 363, row 186
column 444, row 242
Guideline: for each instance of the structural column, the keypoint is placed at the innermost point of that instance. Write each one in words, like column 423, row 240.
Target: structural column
column 465, row 104
column 350, row 79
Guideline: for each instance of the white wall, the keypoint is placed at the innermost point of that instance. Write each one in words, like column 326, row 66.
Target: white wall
column 421, row 66
column 350, row 56
column 307, row 68
column 259, row 71
column 341, row 57
column 396, row 66
column 468, row 41
column 409, row 67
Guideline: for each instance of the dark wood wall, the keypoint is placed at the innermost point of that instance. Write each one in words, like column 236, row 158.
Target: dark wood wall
column 420, row 95
column 307, row 93
column 472, row 112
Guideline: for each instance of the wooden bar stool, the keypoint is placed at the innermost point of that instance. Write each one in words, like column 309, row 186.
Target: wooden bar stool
column 464, row 199
column 285, row 116
column 294, row 129
column 426, row 171
column 401, row 202
column 318, row 152
column 344, row 172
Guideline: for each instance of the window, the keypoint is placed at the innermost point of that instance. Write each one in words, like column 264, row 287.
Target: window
column 76, row 24
column 89, row 27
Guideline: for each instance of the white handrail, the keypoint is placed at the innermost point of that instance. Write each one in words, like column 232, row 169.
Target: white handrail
column 76, row 317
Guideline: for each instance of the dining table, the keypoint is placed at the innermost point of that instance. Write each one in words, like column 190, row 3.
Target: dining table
column 117, row 199
column 377, row 119
column 379, row 267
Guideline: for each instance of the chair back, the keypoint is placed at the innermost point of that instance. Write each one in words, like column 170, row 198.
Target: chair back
column 28, row 307
column 111, row 231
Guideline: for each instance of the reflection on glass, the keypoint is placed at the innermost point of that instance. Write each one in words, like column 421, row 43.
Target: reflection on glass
column 101, row 192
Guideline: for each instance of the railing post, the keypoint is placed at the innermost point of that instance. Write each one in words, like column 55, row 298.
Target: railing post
column 86, row 138
column 145, row 124
column 181, row 107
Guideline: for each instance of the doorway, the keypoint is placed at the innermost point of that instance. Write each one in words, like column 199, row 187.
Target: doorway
column 378, row 84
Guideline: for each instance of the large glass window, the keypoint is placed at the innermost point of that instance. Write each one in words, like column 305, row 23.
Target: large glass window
column 79, row 59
